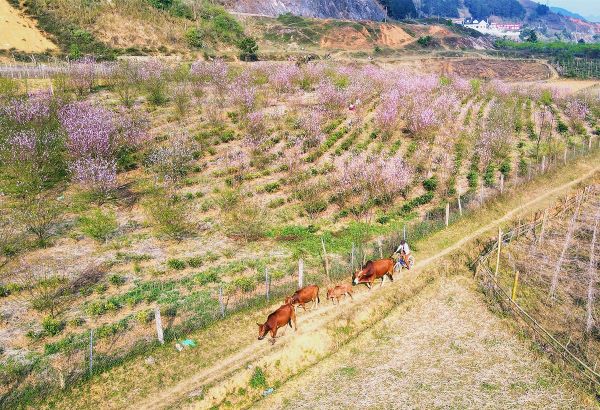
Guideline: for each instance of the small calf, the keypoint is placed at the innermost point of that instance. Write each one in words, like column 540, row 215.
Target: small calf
column 338, row 291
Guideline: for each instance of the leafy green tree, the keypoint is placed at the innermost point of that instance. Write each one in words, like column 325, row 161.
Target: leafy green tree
column 248, row 49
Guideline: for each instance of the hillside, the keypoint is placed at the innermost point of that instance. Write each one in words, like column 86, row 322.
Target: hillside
column 344, row 9
column 164, row 185
column 108, row 30
column 20, row 33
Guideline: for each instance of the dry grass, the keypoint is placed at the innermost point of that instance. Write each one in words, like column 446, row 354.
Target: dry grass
column 443, row 349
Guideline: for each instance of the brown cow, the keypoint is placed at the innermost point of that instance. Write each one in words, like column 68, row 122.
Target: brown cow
column 285, row 315
column 339, row 290
column 374, row 270
column 307, row 294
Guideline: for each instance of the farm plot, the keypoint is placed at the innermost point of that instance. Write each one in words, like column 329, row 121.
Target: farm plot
column 152, row 185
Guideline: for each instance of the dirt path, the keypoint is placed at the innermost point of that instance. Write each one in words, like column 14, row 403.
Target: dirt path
column 443, row 349
column 314, row 322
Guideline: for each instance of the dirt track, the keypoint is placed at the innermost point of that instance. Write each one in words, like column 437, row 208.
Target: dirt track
column 316, row 337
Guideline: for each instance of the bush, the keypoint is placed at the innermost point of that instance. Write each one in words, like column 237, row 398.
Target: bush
column 489, row 176
column 176, row 264
column 246, row 221
column 315, row 206
column 144, row 317
column 431, row 184
column 425, row 41
column 53, row 326
column 195, row 37
column 168, row 215
column 244, row 284
column 272, row 187
column 204, row 278
column 195, row 262
column 116, row 280
column 248, row 49
column 505, row 167
column 258, row 379
column 98, row 225
column 473, row 179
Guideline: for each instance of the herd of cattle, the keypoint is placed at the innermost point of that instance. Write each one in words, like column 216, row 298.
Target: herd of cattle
column 286, row 313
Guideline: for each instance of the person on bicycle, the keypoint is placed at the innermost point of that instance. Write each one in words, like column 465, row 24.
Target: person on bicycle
column 404, row 252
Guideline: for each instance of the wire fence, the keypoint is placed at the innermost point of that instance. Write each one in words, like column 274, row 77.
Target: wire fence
column 492, row 287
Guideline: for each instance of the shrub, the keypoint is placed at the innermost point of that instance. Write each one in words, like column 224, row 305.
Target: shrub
column 4, row 292
column 425, row 41
column 489, row 176
column 195, row 262
column 272, row 187
column 505, row 167
column 172, row 161
column 168, row 215
column 244, row 284
column 169, row 311
column 195, row 37
column 248, row 49
column 98, row 225
column 431, row 184
column 116, row 280
column 53, row 326
column 315, row 206
column 258, row 379
column 39, row 214
column 473, row 179
column 204, row 278
column 176, row 264
column 144, row 316
column 246, row 221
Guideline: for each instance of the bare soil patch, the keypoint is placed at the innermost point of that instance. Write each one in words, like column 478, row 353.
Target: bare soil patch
column 20, row 32
column 501, row 69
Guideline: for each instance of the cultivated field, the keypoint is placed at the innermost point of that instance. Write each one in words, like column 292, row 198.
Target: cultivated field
column 147, row 184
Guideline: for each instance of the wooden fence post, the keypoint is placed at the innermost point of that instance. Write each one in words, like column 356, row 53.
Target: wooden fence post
column 352, row 257
column 325, row 259
column 300, row 273
column 565, row 156
column 91, row 351
column 380, row 248
column 221, row 304
column 447, row 219
column 267, row 283
column 404, row 233
column 514, row 287
column 159, row 329
column 501, row 183
column 498, row 255
column 459, row 205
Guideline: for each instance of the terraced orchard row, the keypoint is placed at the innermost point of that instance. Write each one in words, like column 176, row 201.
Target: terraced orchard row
column 141, row 184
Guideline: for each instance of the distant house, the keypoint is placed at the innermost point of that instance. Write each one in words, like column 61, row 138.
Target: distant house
column 510, row 30
column 476, row 24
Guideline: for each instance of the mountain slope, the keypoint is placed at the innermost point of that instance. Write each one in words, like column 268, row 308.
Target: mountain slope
column 344, row 9
column 567, row 13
